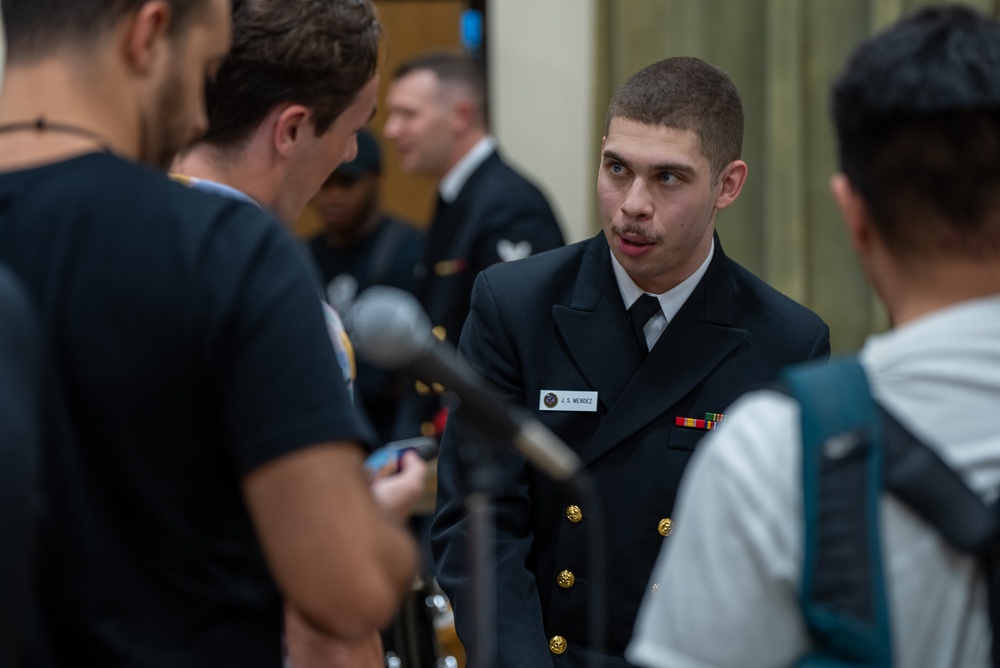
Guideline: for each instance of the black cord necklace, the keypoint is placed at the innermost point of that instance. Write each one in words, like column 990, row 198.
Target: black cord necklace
column 42, row 125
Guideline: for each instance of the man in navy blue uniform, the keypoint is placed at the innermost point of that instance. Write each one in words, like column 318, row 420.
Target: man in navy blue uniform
column 486, row 212
column 629, row 346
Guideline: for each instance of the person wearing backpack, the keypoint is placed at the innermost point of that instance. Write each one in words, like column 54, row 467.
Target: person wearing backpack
column 757, row 573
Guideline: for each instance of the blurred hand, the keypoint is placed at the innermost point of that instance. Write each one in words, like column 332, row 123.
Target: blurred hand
column 397, row 491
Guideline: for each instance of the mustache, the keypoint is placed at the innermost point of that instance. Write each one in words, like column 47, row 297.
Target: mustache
column 635, row 230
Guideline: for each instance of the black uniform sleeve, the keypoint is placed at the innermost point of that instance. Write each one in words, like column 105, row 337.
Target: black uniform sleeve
column 515, row 229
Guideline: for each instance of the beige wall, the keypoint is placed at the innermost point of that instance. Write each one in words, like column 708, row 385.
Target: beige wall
column 542, row 68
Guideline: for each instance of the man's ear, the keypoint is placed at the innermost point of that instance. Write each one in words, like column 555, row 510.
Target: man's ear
column 731, row 180
column 463, row 114
column 146, row 34
column 290, row 122
column 854, row 211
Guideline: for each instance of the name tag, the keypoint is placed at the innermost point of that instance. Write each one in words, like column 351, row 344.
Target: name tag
column 567, row 400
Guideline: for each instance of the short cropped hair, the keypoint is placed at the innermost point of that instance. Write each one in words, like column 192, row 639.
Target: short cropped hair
column 456, row 69
column 917, row 116
column 34, row 28
column 686, row 94
column 319, row 54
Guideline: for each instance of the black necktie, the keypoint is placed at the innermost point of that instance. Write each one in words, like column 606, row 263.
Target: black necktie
column 644, row 308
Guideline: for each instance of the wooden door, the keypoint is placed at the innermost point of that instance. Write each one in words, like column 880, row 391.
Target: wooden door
column 412, row 27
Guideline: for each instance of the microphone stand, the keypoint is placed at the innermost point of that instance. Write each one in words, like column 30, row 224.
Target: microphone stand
column 392, row 330
column 479, row 465
column 479, row 461
column 481, row 540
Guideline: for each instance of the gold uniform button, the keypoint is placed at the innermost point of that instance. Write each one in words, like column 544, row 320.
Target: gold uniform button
column 438, row 388
column 557, row 644
column 428, row 429
column 665, row 526
column 422, row 388
column 440, row 333
column 574, row 514
column 565, row 579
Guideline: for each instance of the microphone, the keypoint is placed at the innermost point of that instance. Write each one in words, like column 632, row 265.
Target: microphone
column 390, row 329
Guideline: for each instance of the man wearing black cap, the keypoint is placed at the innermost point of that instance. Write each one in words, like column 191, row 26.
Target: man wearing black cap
column 361, row 246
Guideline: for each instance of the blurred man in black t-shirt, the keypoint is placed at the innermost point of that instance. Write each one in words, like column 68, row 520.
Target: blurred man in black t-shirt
column 20, row 452
column 203, row 433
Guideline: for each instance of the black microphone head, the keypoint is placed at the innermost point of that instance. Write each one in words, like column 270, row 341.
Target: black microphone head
column 388, row 327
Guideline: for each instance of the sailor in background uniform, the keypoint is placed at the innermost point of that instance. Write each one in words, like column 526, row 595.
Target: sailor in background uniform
column 486, row 212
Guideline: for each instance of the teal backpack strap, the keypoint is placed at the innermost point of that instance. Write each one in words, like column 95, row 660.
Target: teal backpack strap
column 842, row 594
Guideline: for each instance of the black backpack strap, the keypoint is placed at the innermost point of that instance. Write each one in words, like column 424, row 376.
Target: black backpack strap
column 918, row 477
column 842, row 592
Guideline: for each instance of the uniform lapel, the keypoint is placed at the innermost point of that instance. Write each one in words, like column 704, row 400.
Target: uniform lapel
column 700, row 336
column 447, row 216
column 440, row 245
column 595, row 326
column 448, row 236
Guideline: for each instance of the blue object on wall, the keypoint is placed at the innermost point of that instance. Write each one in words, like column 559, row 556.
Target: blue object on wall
column 472, row 30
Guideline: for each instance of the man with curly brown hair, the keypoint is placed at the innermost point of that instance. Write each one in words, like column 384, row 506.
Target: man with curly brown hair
column 284, row 110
